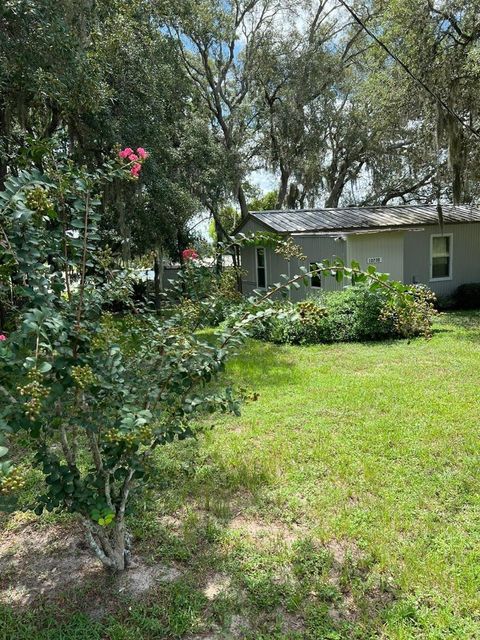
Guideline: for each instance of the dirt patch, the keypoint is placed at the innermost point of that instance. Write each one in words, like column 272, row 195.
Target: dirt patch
column 292, row 623
column 141, row 578
column 350, row 565
column 47, row 563
column 239, row 626
column 343, row 549
column 267, row 531
column 38, row 562
column 208, row 635
column 217, row 584
column 174, row 524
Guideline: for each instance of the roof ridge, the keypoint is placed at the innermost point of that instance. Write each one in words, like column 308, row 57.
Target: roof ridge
column 373, row 206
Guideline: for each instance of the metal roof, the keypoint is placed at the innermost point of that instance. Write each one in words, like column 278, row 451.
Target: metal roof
column 352, row 218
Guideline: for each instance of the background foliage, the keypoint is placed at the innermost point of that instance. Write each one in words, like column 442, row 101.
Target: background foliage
column 217, row 90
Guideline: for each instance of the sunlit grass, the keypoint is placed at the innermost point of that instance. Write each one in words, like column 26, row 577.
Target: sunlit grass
column 377, row 443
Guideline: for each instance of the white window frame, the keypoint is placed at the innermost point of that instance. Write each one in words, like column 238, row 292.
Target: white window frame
column 450, row 246
column 318, row 274
column 264, row 266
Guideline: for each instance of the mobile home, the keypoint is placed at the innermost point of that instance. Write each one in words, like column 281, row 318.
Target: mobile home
column 405, row 241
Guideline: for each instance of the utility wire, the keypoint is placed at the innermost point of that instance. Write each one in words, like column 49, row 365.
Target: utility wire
column 435, row 95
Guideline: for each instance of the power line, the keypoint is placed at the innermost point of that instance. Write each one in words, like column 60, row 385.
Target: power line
column 419, row 81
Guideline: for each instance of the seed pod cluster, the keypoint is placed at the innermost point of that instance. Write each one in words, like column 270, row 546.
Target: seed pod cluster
column 14, row 481
column 143, row 435
column 309, row 311
column 34, row 393
column 37, row 200
column 83, row 376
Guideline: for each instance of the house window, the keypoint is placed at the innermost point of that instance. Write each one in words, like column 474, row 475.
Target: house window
column 441, row 257
column 261, row 268
column 315, row 280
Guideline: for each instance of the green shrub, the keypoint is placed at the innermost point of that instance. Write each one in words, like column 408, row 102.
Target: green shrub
column 357, row 313
column 203, row 297
column 467, row 296
column 412, row 319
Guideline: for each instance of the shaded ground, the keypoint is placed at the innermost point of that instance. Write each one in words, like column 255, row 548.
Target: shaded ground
column 344, row 504
column 249, row 580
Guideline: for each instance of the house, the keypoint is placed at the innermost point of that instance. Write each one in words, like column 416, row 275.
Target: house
column 404, row 241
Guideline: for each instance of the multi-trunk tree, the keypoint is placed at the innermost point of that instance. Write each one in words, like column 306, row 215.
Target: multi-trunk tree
column 89, row 405
column 220, row 44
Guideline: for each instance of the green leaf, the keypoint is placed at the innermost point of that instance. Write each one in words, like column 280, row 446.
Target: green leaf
column 43, row 367
column 3, row 451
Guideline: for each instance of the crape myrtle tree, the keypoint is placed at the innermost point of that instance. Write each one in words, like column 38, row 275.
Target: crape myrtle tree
column 89, row 407
column 93, row 413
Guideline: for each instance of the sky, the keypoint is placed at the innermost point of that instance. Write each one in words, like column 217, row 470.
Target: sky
column 264, row 180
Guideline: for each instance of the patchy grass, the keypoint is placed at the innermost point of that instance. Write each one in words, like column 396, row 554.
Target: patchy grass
column 343, row 504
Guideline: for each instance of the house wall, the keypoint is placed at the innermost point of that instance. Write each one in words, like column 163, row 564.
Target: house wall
column 247, row 257
column 315, row 248
column 405, row 256
column 388, row 246
column 465, row 257
column 276, row 266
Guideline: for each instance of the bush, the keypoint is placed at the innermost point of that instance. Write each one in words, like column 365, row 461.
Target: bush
column 204, row 297
column 468, row 296
column 92, row 399
column 412, row 319
column 446, row 303
column 357, row 313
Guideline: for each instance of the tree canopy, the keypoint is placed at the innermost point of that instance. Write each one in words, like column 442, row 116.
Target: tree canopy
column 376, row 106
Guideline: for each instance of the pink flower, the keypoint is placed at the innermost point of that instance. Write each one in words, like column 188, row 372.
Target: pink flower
column 142, row 153
column 135, row 170
column 133, row 157
column 124, row 153
column 189, row 254
column 2, row 337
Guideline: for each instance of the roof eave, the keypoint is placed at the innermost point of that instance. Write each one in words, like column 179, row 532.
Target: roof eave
column 251, row 216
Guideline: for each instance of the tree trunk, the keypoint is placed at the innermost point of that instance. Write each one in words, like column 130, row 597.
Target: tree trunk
column 4, row 132
column 242, row 201
column 293, row 196
column 282, row 192
column 237, row 267
column 337, row 186
column 122, row 225
column 110, row 544
column 220, row 234
column 158, row 276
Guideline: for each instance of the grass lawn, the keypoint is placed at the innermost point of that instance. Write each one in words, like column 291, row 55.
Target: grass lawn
column 343, row 504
